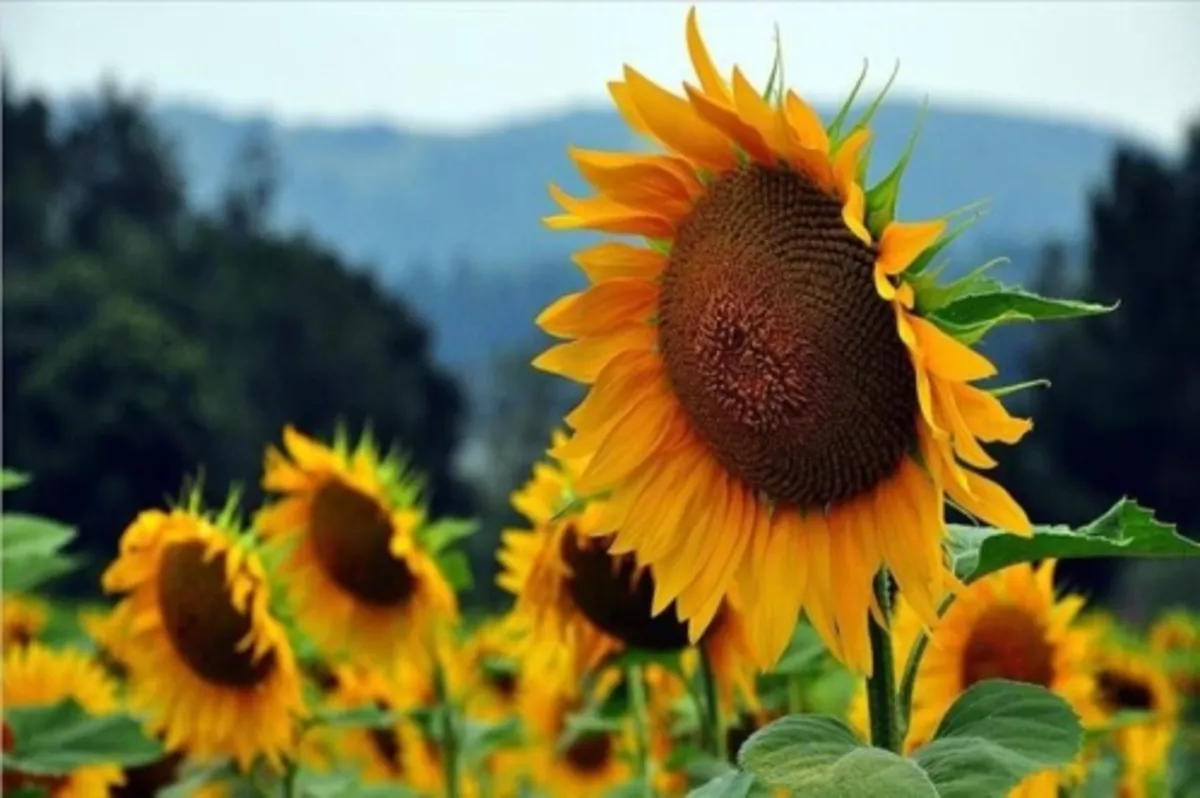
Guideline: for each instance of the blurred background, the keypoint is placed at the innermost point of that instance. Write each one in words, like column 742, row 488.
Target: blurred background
column 219, row 218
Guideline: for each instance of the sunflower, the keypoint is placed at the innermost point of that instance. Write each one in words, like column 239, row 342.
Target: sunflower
column 491, row 658
column 1128, row 680
column 1175, row 637
column 203, row 651
column 768, row 404
column 1010, row 625
column 109, row 630
column 587, row 764
column 24, row 619
column 358, row 579
column 580, row 591
column 36, row 675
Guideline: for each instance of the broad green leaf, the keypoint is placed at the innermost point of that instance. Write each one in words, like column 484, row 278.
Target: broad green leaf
column 1126, row 530
column 442, row 534
column 480, row 740
column 457, row 569
column 29, row 535
column 54, row 739
column 24, row 574
column 11, row 480
column 731, row 785
column 818, row 756
column 345, row 785
column 997, row 733
column 355, row 717
column 1018, row 304
column 932, row 295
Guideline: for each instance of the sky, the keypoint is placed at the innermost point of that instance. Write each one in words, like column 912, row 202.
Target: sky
column 463, row 66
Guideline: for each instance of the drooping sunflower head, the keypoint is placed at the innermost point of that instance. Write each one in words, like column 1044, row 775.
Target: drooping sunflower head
column 109, row 632
column 491, row 659
column 35, row 675
column 24, row 619
column 771, row 402
column 203, row 650
column 359, row 579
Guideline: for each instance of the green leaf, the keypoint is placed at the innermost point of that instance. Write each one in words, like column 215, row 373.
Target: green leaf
column 1015, row 304
column 25, row 574
column 457, row 569
column 997, row 733
column 884, row 195
column 794, row 744
column 55, row 739
column 932, row 296
column 365, row 717
column 1126, row 530
column 11, row 480
column 873, row 772
column 442, row 534
column 30, row 535
column 345, row 785
column 731, row 785
column 480, row 740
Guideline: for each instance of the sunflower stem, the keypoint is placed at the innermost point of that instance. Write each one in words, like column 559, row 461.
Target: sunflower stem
column 881, row 685
column 641, row 722
column 908, row 681
column 289, row 779
column 712, row 706
column 449, row 738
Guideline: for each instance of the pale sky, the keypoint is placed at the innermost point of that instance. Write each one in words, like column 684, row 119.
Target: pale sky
column 448, row 66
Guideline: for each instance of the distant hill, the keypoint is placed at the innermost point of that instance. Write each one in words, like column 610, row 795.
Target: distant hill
column 396, row 198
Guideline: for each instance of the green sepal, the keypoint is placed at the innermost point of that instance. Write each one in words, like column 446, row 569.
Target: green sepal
column 834, row 131
column 1019, row 386
column 931, row 295
column 658, row 245
column 869, row 114
column 456, row 568
column 776, row 88
column 998, row 300
column 883, row 197
column 925, row 259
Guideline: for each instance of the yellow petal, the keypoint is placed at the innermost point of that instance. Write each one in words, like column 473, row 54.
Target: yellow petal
column 706, row 71
column 601, row 213
column 661, row 184
column 675, row 123
column 613, row 389
column 623, row 99
column 853, row 213
column 582, row 360
column 902, row 242
column 752, row 107
column 727, row 121
column 613, row 260
column 600, row 309
column 806, row 124
column 947, row 357
column 987, row 417
column 630, row 442
column 845, row 164
column 965, row 445
column 991, row 503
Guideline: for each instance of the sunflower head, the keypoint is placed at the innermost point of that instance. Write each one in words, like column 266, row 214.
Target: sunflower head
column 203, row 648
column 1175, row 637
column 771, row 400
column 35, row 675
column 358, row 576
column 24, row 619
column 109, row 632
column 491, row 659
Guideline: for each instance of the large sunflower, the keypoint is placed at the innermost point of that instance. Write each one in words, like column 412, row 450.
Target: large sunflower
column 581, row 592
column 358, row 579
column 203, row 651
column 768, row 402
column 24, row 619
column 1128, row 680
column 1010, row 625
column 35, row 675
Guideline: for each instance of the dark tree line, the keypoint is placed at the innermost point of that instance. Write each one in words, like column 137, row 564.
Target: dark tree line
column 145, row 340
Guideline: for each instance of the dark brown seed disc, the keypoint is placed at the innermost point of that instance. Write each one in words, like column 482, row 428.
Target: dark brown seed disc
column 200, row 619
column 148, row 780
column 1006, row 643
column 605, row 591
column 351, row 534
column 590, row 752
column 782, row 354
column 1118, row 691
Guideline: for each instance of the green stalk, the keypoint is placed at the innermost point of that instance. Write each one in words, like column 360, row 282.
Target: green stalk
column 908, row 681
column 712, row 705
column 881, row 686
column 641, row 722
column 449, row 738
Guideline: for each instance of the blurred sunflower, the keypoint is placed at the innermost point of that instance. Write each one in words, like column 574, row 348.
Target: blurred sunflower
column 1175, row 637
column 357, row 578
column 1010, row 625
column 35, row 675
column 1129, row 680
column 24, row 619
column 491, row 659
column 588, row 764
column 396, row 753
column 108, row 630
column 579, row 590
column 203, row 651
column 763, row 380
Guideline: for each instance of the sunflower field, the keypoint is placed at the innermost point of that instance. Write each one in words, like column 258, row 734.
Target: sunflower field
column 760, row 557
